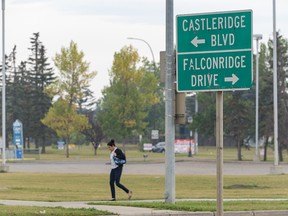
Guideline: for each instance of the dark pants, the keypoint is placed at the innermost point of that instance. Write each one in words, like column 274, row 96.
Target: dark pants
column 115, row 176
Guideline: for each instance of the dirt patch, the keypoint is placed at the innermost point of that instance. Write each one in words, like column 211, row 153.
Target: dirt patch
column 241, row 186
column 3, row 188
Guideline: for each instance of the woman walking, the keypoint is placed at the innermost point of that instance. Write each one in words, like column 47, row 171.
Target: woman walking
column 116, row 170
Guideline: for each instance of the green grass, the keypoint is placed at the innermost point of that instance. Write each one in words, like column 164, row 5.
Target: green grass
column 86, row 152
column 209, row 206
column 95, row 187
column 87, row 187
column 30, row 211
column 92, row 187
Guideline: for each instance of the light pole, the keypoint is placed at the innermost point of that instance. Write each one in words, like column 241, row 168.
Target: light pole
column 257, row 37
column 276, row 169
column 3, row 88
column 195, row 132
column 190, row 120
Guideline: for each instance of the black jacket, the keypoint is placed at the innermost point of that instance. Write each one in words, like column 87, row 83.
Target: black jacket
column 120, row 154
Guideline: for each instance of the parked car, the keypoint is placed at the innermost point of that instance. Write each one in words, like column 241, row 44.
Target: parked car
column 159, row 147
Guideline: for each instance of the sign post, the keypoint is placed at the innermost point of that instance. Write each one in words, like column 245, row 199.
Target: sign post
column 18, row 139
column 214, row 53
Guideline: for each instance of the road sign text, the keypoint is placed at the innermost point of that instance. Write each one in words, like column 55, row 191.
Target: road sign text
column 215, row 23
column 214, row 51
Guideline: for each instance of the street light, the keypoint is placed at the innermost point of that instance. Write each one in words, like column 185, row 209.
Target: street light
column 257, row 37
column 276, row 169
column 154, row 64
column 190, row 120
column 3, row 89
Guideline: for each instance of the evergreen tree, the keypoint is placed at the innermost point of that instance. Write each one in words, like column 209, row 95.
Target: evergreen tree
column 282, row 71
column 41, row 77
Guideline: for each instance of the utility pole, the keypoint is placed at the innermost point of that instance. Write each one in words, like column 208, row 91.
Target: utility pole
column 276, row 169
column 169, row 110
column 257, row 38
column 3, row 167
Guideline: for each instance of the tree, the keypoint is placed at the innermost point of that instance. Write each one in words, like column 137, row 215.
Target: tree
column 123, row 109
column 74, row 81
column 282, row 71
column 74, row 73
column 204, row 120
column 41, row 76
column 266, row 98
column 94, row 133
column 63, row 119
column 238, row 118
column 156, row 112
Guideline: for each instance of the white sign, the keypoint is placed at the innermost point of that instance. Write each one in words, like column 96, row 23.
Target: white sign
column 155, row 134
column 147, row 146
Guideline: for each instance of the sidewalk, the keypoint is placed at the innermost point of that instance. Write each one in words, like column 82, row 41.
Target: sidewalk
column 135, row 211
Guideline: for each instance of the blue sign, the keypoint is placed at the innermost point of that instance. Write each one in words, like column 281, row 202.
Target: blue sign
column 18, row 153
column 18, row 134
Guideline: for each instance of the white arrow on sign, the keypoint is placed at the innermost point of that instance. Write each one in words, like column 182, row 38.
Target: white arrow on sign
column 195, row 41
column 232, row 79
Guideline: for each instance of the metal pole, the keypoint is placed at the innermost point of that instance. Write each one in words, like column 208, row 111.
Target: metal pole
column 275, row 83
column 190, row 145
column 190, row 120
column 154, row 65
column 169, row 109
column 219, row 146
column 3, row 88
column 196, row 133
column 257, row 37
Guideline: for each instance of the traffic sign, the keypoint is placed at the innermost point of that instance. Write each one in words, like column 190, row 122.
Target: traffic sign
column 214, row 51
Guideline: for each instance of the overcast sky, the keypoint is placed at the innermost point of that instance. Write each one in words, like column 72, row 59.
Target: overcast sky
column 101, row 27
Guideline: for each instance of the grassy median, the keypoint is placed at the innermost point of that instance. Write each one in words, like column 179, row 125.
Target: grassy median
column 94, row 187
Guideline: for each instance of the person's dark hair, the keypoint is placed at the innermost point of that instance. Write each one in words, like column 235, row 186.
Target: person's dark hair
column 111, row 143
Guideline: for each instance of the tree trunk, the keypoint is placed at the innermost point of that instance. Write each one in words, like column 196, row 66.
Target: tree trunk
column 36, row 143
column 28, row 143
column 67, row 147
column 95, row 149
column 265, row 149
column 24, row 143
column 239, row 150
column 280, row 152
column 43, row 150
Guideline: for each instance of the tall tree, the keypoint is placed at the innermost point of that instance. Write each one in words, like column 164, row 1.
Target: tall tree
column 41, row 75
column 132, row 90
column 282, row 71
column 156, row 112
column 238, row 118
column 265, row 98
column 75, row 76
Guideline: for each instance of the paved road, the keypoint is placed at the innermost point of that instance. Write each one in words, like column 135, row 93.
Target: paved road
column 188, row 167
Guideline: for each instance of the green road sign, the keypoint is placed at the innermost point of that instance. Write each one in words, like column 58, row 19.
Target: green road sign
column 214, row 51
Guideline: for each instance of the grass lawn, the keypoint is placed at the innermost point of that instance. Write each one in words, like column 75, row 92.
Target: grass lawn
column 86, row 152
column 89, row 187
column 95, row 187
column 28, row 211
